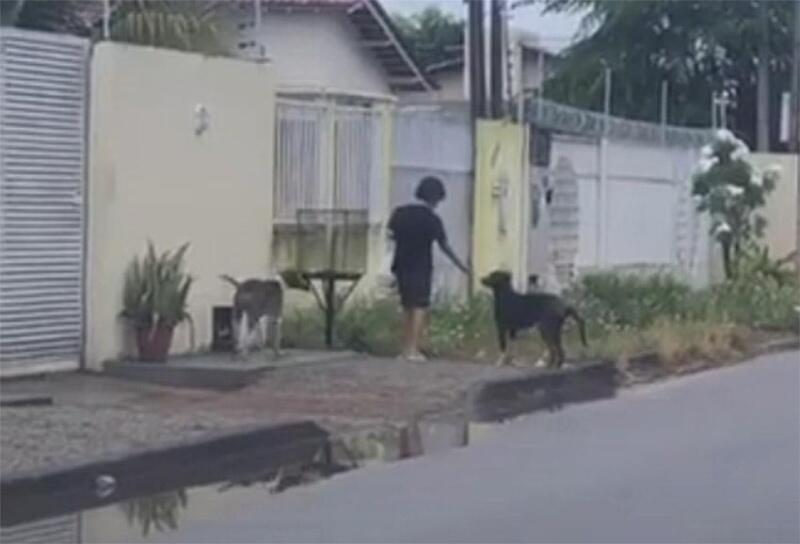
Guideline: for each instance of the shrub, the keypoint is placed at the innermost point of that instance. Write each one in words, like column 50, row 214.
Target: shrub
column 630, row 300
column 156, row 289
column 625, row 315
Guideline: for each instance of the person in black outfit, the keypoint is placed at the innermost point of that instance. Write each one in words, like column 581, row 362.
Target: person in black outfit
column 414, row 228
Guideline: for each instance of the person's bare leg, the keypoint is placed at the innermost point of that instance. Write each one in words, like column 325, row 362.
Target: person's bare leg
column 418, row 318
column 423, row 335
column 408, row 331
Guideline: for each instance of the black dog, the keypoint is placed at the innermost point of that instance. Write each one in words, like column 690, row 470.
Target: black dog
column 514, row 312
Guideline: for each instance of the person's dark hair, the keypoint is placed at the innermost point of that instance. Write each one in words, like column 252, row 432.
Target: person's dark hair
column 430, row 190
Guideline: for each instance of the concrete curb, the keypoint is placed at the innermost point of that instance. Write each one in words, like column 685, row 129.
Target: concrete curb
column 549, row 390
column 183, row 371
column 646, row 367
column 29, row 496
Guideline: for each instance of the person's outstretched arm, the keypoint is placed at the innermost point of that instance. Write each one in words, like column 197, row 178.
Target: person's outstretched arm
column 444, row 244
column 447, row 250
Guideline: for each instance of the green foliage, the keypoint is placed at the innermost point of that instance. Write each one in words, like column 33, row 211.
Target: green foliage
column 159, row 512
column 764, row 294
column 462, row 329
column 432, row 35
column 170, row 24
column 625, row 315
column 697, row 47
column 372, row 326
column 46, row 15
column 729, row 188
column 156, row 289
column 757, row 265
column 756, row 298
column 630, row 300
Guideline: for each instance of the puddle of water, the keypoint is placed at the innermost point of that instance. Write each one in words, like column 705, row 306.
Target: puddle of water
column 161, row 517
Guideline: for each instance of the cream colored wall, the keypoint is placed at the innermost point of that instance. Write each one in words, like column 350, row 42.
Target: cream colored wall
column 314, row 49
column 152, row 177
column 781, row 207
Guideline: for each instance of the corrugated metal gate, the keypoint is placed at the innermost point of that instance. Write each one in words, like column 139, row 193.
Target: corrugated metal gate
column 43, row 90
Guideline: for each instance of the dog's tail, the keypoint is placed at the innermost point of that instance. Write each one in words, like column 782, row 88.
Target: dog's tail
column 571, row 312
column 230, row 280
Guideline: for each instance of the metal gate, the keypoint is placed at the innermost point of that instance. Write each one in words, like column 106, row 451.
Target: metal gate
column 43, row 90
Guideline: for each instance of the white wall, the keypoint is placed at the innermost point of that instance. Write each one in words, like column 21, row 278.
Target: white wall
column 643, row 216
column 152, row 177
column 781, row 207
column 437, row 140
column 317, row 49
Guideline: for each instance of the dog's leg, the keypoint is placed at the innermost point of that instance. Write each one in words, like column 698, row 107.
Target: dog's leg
column 241, row 334
column 502, row 337
column 234, row 332
column 552, row 338
column 276, row 323
column 559, row 345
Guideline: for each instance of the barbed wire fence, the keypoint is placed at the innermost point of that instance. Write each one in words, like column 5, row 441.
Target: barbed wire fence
column 656, row 157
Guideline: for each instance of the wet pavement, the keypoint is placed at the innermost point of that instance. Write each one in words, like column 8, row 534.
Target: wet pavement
column 707, row 458
column 94, row 417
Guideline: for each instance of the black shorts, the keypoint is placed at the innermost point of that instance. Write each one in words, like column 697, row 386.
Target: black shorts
column 414, row 286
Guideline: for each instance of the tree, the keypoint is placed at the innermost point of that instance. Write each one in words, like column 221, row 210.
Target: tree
column 731, row 189
column 47, row 15
column 432, row 35
column 173, row 24
column 697, row 46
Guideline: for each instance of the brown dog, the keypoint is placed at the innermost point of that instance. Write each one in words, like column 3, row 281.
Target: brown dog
column 514, row 312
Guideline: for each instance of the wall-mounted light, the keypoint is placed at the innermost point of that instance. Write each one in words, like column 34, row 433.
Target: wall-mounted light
column 201, row 119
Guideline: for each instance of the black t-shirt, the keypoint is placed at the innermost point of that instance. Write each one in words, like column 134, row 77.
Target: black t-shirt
column 415, row 227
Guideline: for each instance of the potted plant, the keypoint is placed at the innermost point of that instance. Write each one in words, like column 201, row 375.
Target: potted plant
column 155, row 300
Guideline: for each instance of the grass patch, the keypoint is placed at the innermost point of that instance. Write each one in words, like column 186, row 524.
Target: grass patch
column 626, row 316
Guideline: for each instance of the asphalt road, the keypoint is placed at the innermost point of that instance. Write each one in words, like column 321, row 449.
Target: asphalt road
column 710, row 458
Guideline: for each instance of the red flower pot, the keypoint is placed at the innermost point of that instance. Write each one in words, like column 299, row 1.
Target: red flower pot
column 153, row 343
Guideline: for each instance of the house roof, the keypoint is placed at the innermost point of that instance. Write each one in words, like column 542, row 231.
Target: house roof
column 377, row 33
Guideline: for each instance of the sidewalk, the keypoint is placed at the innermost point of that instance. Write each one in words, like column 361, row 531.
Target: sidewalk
column 94, row 417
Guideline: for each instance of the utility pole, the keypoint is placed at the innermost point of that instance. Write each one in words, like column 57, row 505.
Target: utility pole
column 106, row 19
column 762, row 94
column 794, row 108
column 602, row 177
column 496, row 59
column 794, row 118
column 663, row 113
column 477, row 69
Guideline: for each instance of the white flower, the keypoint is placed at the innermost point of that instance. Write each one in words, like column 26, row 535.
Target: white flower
column 756, row 179
column 707, row 152
column 734, row 190
column 721, row 228
column 706, row 163
column 725, row 135
column 773, row 172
